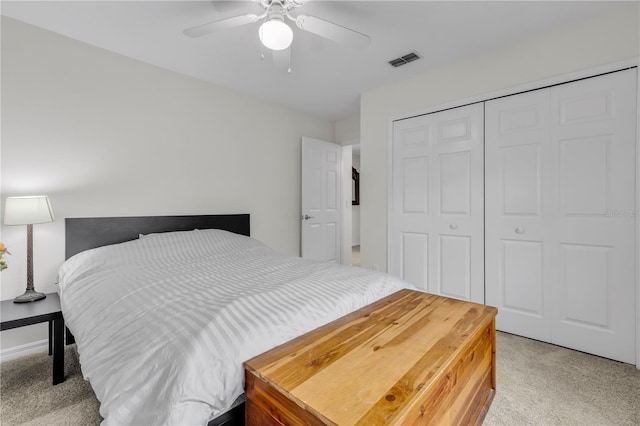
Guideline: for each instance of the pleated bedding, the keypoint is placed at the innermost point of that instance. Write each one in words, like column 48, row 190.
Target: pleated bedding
column 164, row 323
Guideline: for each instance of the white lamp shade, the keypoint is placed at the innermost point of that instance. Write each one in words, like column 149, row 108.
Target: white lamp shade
column 275, row 34
column 27, row 210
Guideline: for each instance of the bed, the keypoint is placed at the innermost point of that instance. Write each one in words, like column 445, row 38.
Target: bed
column 83, row 234
column 129, row 316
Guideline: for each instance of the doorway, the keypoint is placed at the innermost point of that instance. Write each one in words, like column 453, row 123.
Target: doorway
column 355, row 205
column 351, row 203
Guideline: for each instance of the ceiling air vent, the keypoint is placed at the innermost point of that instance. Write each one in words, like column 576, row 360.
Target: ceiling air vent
column 403, row 60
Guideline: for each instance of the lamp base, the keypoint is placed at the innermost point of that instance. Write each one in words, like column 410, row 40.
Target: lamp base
column 29, row 296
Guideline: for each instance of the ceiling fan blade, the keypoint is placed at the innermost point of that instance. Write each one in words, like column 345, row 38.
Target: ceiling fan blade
column 223, row 24
column 333, row 31
column 229, row 5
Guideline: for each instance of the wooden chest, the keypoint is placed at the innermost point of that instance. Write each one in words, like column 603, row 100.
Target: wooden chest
column 410, row 358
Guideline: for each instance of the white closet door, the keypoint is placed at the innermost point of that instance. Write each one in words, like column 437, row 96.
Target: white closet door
column 593, row 126
column 437, row 203
column 410, row 228
column 518, row 213
column 560, row 230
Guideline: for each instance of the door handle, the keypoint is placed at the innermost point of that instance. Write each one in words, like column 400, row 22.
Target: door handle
column 453, row 226
column 519, row 230
column 307, row 217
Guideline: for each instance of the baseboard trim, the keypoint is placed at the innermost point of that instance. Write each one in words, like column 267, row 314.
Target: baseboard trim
column 22, row 350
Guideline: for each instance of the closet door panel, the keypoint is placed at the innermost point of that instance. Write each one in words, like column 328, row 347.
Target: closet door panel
column 415, row 257
column 560, row 219
column 517, row 281
column 455, row 183
column 584, row 175
column 411, row 202
column 593, row 127
column 584, row 284
column 521, row 180
column 415, row 185
column 521, row 272
column 437, row 215
column 458, row 220
column 454, row 266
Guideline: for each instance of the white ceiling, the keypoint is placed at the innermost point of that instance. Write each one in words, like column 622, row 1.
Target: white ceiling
column 327, row 77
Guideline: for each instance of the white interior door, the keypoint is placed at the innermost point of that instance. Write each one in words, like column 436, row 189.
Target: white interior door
column 560, row 231
column 321, row 200
column 437, row 217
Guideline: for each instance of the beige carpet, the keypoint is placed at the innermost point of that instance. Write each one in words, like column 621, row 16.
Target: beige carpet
column 538, row 384
column 28, row 397
column 543, row 384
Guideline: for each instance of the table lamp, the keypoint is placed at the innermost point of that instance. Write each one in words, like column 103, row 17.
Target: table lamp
column 28, row 211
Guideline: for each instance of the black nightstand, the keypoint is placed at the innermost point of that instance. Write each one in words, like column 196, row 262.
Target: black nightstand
column 16, row 315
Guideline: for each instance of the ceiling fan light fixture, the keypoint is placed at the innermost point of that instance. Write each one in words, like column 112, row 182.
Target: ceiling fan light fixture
column 275, row 34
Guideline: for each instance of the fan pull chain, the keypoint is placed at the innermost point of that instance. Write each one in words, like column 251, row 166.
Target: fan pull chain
column 289, row 70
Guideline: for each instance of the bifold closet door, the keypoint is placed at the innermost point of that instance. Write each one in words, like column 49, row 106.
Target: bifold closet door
column 560, row 228
column 517, row 215
column 437, row 216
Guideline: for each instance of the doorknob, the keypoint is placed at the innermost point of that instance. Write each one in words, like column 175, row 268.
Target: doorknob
column 307, row 217
column 519, row 230
column 453, row 226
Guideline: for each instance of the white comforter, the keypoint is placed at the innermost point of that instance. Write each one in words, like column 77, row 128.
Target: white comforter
column 164, row 323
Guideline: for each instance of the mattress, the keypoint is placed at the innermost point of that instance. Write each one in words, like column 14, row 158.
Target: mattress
column 164, row 323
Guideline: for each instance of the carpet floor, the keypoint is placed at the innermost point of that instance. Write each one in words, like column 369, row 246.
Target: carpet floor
column 537, row 384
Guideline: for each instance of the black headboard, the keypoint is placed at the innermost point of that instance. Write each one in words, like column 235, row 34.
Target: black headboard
column 86, row 233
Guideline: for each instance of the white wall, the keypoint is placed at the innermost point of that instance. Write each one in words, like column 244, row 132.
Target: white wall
column 347, row 131
column 105, row 135
column 597, row 41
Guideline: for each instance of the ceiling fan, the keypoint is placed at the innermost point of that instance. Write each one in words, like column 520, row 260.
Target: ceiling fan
column 274, row 32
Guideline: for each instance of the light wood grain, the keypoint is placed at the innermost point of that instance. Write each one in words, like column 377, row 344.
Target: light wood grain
column 411, row 358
